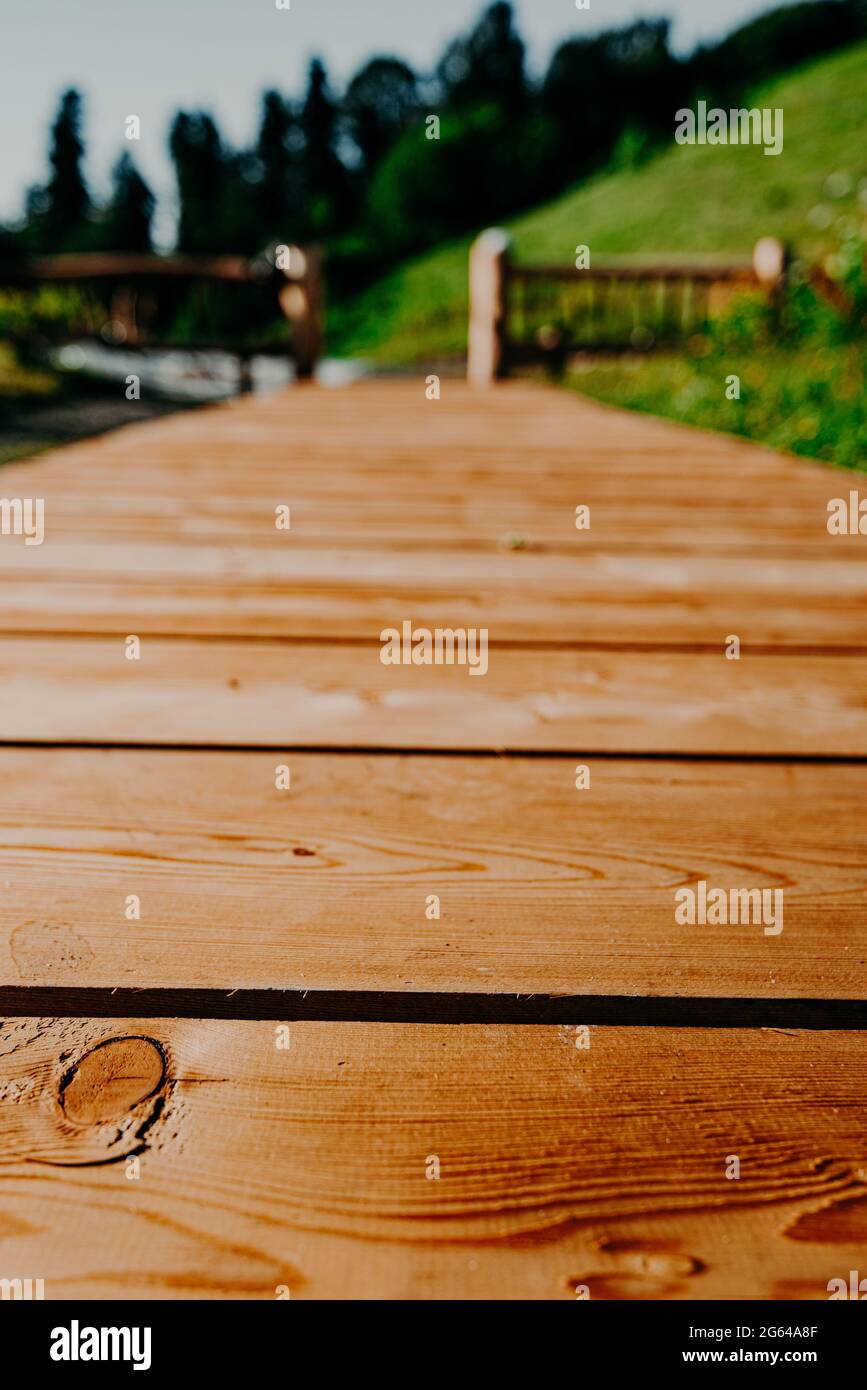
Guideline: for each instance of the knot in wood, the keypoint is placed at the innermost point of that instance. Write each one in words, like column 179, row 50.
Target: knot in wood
column 112, row 1079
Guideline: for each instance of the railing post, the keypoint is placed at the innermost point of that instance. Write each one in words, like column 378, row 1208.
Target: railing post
column 123, row 313
column 301, row 302
column 771, row 264
column 245, row 374
column 486, row 348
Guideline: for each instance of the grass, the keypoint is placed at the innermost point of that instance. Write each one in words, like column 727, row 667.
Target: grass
column 23, row 389
column 810, row 400
column 19, row 382
column 714, row 200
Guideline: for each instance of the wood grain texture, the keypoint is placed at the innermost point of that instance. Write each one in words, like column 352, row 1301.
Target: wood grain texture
column 543, row 888
column 257, row 1169
column 270, row 694
column 305, row 1167
column 677, row 599
column 471, row 514
column 457, row 512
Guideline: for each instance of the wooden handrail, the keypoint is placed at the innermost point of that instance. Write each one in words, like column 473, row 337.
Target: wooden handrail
column 296, row 280
column 704, row 274
column 98, row 265
column 493, row 275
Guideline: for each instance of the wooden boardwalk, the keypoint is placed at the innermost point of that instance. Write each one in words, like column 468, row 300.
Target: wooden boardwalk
column 240, row 1057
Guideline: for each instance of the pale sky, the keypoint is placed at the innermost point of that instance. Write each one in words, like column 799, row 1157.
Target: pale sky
column 149, row 57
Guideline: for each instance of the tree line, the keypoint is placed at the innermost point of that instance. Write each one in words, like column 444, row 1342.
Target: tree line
column 359, row 172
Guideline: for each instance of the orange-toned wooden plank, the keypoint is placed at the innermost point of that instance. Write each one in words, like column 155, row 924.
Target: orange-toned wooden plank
column 196, row 1160
column 542, row 888
column 268, row 694
column 454, row 512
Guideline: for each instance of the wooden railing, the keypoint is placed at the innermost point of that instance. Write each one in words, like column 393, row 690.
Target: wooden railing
column 522, row 314
column 291, row 286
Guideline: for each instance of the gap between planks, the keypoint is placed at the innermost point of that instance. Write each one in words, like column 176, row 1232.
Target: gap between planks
column 443, row 1008
column 361, row 750
column 340, row 641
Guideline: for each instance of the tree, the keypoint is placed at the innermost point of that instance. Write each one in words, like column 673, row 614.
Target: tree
column 487, row 65
column 58, row 211
column 596, row 88
column 127, row 225
column 200, row 168
column 483, row 167
column 574, row 95
column 326, row 185
column 379, row 102
column 648, row 79
column 279, row 194
column 11, row 249
column 773, row 42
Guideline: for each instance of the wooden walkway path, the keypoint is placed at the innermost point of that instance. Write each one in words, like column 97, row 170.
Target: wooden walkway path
column 239, row 1056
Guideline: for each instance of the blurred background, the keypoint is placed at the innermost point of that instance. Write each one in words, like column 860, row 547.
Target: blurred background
column 208, row 135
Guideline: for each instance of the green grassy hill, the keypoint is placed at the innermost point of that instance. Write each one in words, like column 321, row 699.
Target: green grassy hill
column 696, row 199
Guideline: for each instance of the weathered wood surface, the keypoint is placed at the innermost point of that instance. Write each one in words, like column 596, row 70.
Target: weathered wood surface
column 527, row 447
column 271, row 694
column 470, row 497
column 692, row 537
column 299, row 592
column 543, row 888
column 304, row 1169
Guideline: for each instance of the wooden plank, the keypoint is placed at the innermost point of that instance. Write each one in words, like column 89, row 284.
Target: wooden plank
column 542, row 888
column 700, row 271
column 482, row 509
column 236, row 462
column 269, row 694
column 692, row 536
column 303, row 1170
column 485, row 517
column 95, row 265
column 301, row 592
column 174, row 467
column 173, row 456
